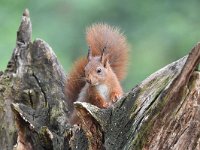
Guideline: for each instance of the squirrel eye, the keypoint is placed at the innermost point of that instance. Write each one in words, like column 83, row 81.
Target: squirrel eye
column 98, row 70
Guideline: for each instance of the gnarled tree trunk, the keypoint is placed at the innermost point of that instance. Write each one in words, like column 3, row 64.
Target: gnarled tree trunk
column 162, row 112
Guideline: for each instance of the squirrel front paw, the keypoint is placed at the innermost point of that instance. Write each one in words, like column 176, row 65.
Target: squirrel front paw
column 115, row 96
column 105, row 105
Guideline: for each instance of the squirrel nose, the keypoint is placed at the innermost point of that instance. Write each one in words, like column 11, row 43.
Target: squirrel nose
column 89, row 81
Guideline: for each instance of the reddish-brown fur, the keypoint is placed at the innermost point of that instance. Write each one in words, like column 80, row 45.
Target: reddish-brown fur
column 114, row 92
column 101, row 38
column 75, row 81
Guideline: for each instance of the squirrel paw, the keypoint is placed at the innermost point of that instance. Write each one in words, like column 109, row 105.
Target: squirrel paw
column 105, row 105
column 115, row 96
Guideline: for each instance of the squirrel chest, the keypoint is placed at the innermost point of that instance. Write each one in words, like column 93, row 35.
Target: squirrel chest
column 103, row 91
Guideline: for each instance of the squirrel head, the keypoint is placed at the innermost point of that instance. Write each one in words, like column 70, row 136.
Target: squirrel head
column 97, row 69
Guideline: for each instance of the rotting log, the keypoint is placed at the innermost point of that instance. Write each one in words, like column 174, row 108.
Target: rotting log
column 162, row 112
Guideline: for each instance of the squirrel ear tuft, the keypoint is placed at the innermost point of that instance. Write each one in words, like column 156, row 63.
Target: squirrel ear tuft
column 105, row 60
column 89, row 56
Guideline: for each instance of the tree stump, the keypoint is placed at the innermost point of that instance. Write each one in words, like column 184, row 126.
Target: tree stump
column 162, row 112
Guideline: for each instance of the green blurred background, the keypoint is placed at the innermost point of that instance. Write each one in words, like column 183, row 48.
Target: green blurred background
column 158, row 32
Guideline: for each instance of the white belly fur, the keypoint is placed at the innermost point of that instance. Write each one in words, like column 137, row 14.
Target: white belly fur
column 103, row 91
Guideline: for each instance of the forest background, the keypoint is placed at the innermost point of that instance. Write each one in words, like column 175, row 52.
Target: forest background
column 158, row 32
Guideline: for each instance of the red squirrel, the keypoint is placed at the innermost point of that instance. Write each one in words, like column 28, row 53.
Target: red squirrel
column 95, row 78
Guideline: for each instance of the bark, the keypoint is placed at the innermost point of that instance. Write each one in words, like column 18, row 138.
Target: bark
column 162, row 112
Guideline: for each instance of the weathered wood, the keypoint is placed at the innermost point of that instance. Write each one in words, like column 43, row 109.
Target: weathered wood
column 162, row 112
column 36, row 91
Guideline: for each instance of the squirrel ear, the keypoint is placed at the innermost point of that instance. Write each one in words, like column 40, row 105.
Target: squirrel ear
column 89, row 56
column 104, row 60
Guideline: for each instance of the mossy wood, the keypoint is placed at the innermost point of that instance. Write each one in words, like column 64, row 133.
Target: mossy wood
column 162, row 112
